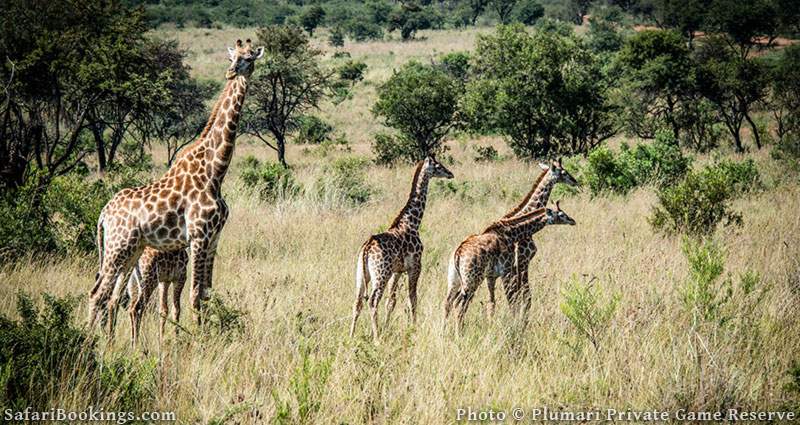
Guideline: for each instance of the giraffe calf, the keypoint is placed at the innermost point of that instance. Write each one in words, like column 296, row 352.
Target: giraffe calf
column 482, row 257
column 154, row 267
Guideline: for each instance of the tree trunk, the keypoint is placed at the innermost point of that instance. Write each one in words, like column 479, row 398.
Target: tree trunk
column 753, row 126
column 281, row 142
column 100, row 147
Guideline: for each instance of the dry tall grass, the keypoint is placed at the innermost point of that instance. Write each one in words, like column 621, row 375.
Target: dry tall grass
column 290, row 267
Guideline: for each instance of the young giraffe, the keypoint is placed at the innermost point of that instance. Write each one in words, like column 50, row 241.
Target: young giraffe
column 162, row 268
column 184, row 207
column 387, row 255
column 515, row 285
column 479, row 256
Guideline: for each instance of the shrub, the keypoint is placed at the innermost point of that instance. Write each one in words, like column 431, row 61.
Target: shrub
column 660, row 163
column 586, row 311
column 703, row 293
column 352, row 71
column 272, row 181
column 44, row 353
column 528, row 12
column 485, row 154
column 360, row 30
column 222, row 318
column 456, row 64
column 345, row 181
column 313, row 130
column 336, row 37
column 389, row 149
column 702, row 199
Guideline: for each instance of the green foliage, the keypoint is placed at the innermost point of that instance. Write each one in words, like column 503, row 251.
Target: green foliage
column 409, row 20
column 352, row 71
column 313, row 130
column 336, row 37
column 785, row 97
column 419, row 101
column 45, row 353
column 702, row 199
column 222, row 319
column 390, row 149
column 345, row 181
column 306, row 387
column 587, row 311
column 659, row 80
column 362, row 31
column 704, row 293
column 272, row 181
column 660, row 163
column 456, row 65
column 528, row 12
column 289, row 84
column 311, row 18
column 486, row 153
column 606, row 26
column 546, row 92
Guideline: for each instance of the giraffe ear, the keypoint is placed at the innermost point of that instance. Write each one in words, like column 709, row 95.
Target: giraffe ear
column 260, row 53
column 231, row 53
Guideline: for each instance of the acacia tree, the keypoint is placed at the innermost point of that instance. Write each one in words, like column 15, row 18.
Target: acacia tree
column 544, row 91
column 734, row 84
column 60, row 60
column 504, row 9
column 420, row 101
column 785, row 94
column 283, row 88
column 659, row 76
column 311, row 18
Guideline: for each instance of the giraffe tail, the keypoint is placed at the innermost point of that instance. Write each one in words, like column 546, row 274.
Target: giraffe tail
column 100, row 248
column 362, row 272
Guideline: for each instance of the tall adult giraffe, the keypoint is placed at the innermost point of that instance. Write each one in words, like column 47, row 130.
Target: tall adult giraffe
column 516, row 285
column 386, row 256
column 184, row 207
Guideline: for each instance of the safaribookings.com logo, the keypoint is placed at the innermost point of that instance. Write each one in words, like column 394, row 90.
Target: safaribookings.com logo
column 90, row 414
column 545, row 414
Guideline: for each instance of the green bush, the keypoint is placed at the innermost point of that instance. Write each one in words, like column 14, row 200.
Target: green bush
column 390, row 149
column 222, row 318
column 313, row 130
column 660, row 163
column 486, row 154
column 57, row 216
column 345, row 180
column 456, row 64
column 587, row 312
column 360, row 30
column 702, row 199
column 352, row 71
column 45, row 353
column 272, row 181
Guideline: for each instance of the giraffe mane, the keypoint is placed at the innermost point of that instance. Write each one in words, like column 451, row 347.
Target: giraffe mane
column 414, row 182
column 527, row 197
column 513, row 221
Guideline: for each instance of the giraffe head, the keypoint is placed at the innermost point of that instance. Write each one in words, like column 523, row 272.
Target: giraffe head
column 557, row 216
column 434, row 168
column 559, row 172
column 242, row 59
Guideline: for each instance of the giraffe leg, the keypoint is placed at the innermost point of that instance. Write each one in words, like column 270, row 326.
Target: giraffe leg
column 113, row 302
column 199, row 257
column 463, row 304
column 177, row 289
column 391, row 299
column 490, row 284
column 362, row 280
column 413, row 279
column 114, row 264
column 163, row 288
column 375, row 298
column 146, row 286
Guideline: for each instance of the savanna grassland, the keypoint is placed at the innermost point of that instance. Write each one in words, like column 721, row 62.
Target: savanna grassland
column 289, row 267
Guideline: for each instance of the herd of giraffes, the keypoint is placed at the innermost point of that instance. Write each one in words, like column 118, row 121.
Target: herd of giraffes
column 143, row 233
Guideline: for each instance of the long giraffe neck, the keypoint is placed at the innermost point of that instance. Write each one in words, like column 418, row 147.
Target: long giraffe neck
column 411, row 215
column 520, row 226
column 537, row 197
column 216, row 143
